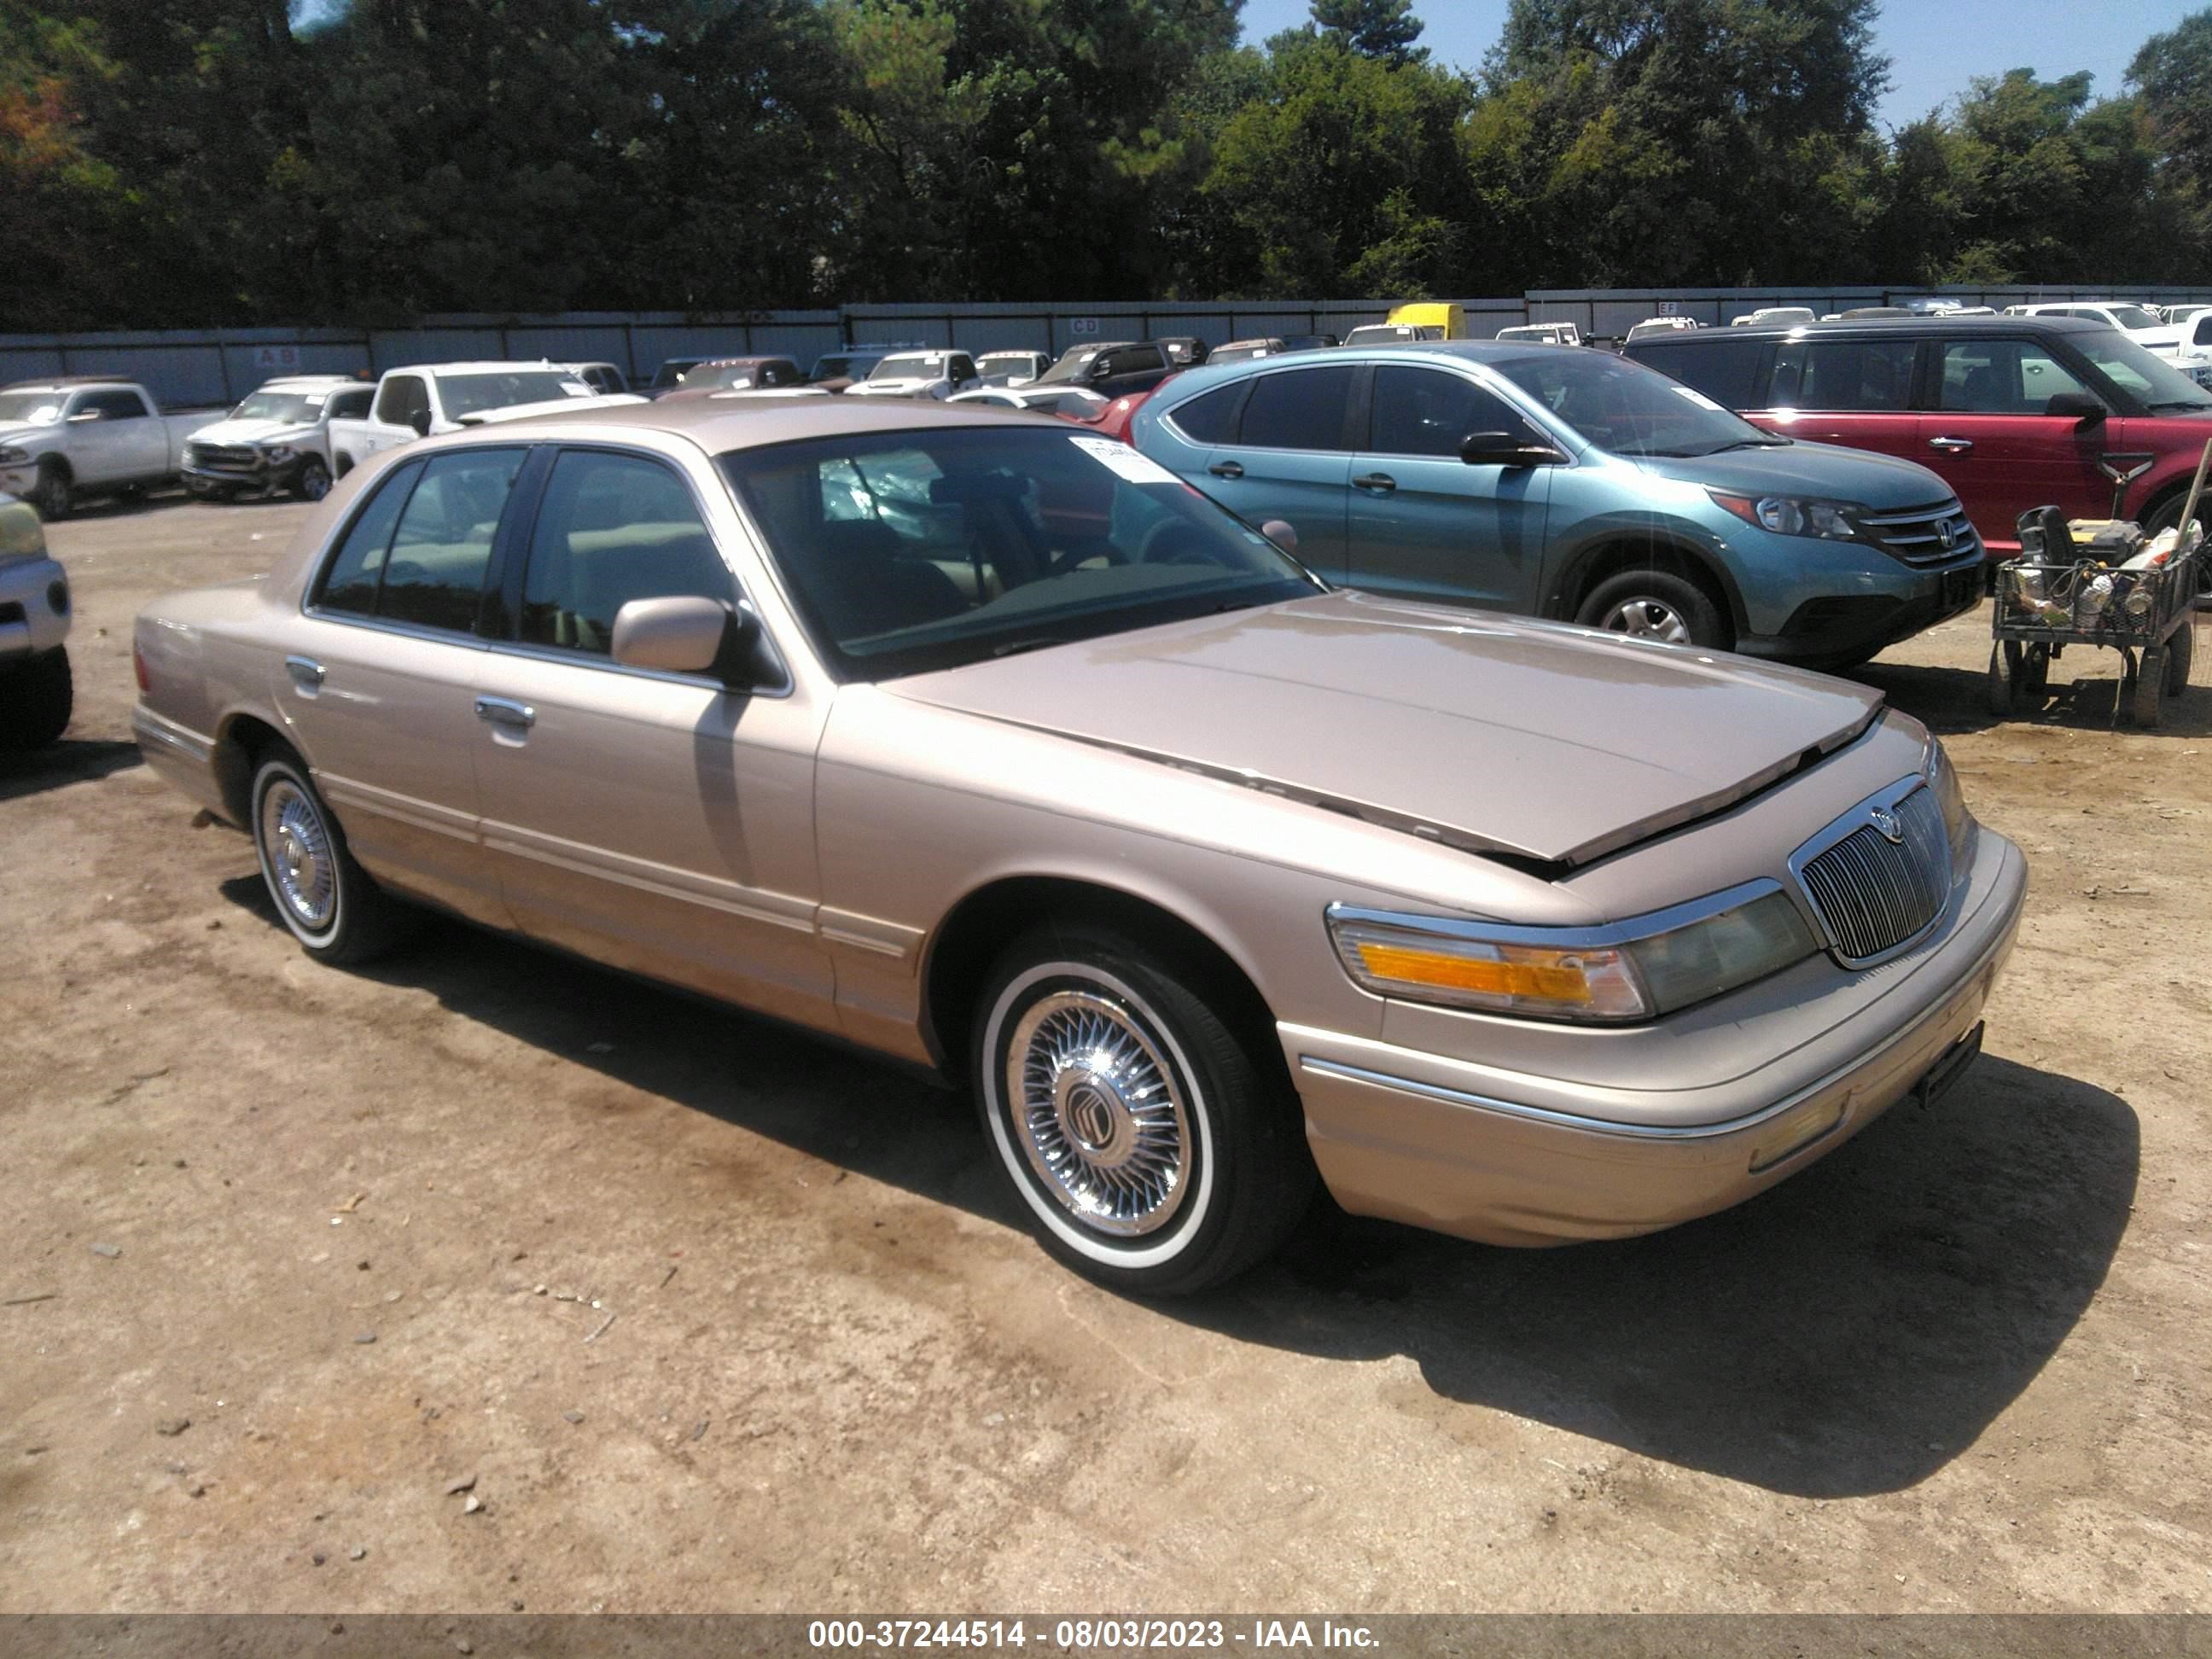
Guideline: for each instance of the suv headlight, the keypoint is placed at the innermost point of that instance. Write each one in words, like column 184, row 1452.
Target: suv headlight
column 1634, row 970
column 1789, row 516
column 1957, row 822
column 279, row 453
column 11, row 456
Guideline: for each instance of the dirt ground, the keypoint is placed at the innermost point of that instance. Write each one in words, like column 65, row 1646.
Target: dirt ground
column 714, row 1317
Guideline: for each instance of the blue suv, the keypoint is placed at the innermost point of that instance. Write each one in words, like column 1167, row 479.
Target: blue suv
column 1562, row 482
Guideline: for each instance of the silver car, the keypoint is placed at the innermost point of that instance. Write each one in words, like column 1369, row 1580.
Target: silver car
column 992, row 746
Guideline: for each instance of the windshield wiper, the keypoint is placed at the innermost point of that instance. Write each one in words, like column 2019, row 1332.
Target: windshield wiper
column 1015, row 648
column 1749, row 443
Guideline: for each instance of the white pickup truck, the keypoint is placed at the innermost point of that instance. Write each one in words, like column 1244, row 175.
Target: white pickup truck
column 64, row 440
column 277, row 438
column 422, row 399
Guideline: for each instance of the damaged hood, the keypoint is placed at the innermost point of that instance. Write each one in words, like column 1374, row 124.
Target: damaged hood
column 1495, row 733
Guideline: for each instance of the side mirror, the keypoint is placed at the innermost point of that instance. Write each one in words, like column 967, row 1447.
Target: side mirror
column 84, row 414
column 420, row 420
column 1507, row 450
column 2081, row 405
column 690, row 633
column 1283, row 534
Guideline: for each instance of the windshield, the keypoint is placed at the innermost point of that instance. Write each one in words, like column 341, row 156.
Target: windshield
column 292, row 407
column 478, row 394
column 910, row 366
column 2133, row 317
column 674, row 369
column 1069, row 366
column 1006, row 362
column 2154, row 380
column 1627, row 408
column 31, row 408
column 910, row 551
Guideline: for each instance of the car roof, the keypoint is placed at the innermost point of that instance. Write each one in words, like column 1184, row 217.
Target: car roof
column 1907, row 327
column 733, row 362
column 488, row 366
column 738, row 423
column 313, row 380
column 67, row 383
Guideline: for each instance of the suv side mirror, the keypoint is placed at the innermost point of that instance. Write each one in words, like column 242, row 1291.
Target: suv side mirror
column 1507, row 450
column 420, row 420
column 2082, row 405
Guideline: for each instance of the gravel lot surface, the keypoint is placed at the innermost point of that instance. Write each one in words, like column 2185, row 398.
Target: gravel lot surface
column 486, row 1278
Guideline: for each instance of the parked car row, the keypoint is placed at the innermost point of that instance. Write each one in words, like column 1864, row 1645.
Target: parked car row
column 991, row 746
column 82, row 437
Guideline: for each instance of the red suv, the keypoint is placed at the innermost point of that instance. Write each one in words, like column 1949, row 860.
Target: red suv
column 2012, row 412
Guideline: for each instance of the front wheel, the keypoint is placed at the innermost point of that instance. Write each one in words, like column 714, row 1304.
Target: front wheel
column 1655, row 604
column 314, row 482
column 1157, row 1149
column 330, row 904
column 36, row 697
column 51, row 493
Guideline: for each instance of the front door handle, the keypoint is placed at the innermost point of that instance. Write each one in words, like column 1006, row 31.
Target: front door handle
column 305, row 671
column 1226, row 470
column 1381, row 481
column 505, row 711
column 1952, row 446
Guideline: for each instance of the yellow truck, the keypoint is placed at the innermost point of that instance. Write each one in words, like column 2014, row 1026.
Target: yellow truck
column 1427, row 315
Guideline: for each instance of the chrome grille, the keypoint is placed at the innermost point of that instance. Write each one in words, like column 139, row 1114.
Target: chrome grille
column 1916, row 535
column 1875, row 894
column 223, row 458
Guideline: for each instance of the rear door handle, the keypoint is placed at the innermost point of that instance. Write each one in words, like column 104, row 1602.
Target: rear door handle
column 505, row 711
column 1952, row 446
column 305, row 671
column 1382, row 481
column 1226, row 470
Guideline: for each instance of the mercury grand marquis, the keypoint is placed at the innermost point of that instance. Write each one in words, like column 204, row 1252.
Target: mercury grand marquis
column 995, row 748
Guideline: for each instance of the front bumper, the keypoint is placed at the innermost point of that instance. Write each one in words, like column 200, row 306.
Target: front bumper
column 34, row 608
column 1470, row 1150
column 261, row 474
column 1850, row 628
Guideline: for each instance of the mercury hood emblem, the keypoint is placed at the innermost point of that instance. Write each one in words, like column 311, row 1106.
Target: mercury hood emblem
column 1891, row 826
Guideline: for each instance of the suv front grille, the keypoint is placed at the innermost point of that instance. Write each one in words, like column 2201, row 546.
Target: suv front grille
column 1875, row 895
column 1923, row 537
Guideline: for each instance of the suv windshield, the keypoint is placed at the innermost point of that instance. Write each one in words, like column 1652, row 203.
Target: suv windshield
column 1071, row 366
column 910, row 551
column 2133, row 317
column 2158, row 383
column 1627, row 408
column 295, row 408
column 478, row 394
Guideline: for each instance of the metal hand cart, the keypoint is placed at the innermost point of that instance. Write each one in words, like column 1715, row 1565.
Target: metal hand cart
column 2050, row 599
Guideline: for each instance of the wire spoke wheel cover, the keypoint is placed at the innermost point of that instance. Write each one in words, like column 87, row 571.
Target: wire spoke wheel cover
column 1098, row 1111
column 301, row 860
column 1648, row 619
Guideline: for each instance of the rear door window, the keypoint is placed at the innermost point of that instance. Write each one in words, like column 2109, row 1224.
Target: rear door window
column 441, row 545
column 1303, row 409
column 349, row 581
column 1212, row 419
column 1845, row 375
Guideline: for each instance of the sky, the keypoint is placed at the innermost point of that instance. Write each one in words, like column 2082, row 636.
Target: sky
column 1935, row 46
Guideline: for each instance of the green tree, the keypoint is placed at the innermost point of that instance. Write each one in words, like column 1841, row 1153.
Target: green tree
column 1374, row 28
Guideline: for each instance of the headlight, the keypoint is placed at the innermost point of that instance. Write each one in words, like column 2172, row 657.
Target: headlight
column 1635, row 970
column 277, row 454
column 1787, row 515
column 1957, row 822
column 11, row 456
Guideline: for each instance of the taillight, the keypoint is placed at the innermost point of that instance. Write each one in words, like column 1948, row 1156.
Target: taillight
column 138, row 667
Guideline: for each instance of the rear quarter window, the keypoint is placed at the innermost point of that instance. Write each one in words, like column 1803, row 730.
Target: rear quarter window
column 1725, row 370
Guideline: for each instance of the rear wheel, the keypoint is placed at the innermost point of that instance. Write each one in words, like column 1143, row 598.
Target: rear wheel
column 53, row 493
column 1157, row 1149
column 2180, row 652
column 2168, row 514
column 36, row 697
column 2150, row 686
column 330, row 904
column 1655, row 605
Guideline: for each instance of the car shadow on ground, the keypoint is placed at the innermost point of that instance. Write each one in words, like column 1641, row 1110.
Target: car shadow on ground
column 1847, row 1333
column 2085, row 696
column 73, row 760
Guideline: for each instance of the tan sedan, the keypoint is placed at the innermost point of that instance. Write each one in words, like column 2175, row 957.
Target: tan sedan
column 993, row 747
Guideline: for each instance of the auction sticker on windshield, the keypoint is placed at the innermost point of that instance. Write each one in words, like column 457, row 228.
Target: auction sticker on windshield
column 1696, row 397
column 1124, row 461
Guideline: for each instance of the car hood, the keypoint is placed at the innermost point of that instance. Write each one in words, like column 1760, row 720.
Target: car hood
column 2157, row 339
column 1823, row 470
column 23, row 434
column 1496, row 734
column 898, row 388
column 252, row 432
